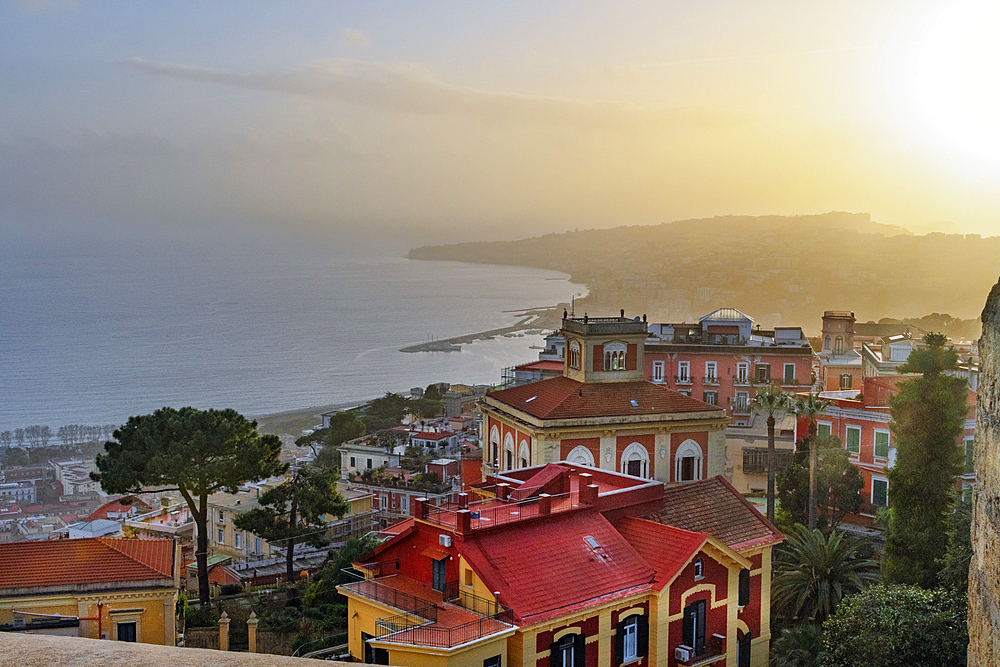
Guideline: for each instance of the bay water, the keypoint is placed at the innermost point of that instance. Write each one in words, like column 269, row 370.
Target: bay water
column 96, row 327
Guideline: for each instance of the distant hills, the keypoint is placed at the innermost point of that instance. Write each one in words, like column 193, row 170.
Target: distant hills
column 779, row 270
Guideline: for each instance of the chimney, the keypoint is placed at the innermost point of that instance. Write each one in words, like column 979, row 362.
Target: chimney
column 463, row 522
column 418, row 507
column 463, row 500
column 544, row 504
column 503, row 491
column 588, row 494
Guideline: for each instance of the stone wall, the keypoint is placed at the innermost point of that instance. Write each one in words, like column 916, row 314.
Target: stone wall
column 984, row 569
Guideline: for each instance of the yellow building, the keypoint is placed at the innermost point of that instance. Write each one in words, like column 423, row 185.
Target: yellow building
column 99, row 588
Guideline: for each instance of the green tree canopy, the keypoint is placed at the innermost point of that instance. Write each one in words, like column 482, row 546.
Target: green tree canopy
column 838, row 484
column 897, row 626
column 385, row 412
column 196, row 452
column 15, row 456
column 927, row 417
column 954, row 573
column 294, row 512
column 815, row 572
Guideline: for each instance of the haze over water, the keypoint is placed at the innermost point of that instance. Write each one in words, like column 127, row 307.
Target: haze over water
column 93, row 331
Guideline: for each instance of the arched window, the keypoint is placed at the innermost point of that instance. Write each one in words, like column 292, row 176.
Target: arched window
column 846, row 381
column 826, row 343
column 614, row 356
column 495, row 446
column 580, row 455
column 508, row 448
column 574, row 354
column 635, row 461
column 688, row 462
column 524, row 455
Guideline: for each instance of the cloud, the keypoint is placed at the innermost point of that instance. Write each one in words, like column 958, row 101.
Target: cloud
column 413, row 89
column 353, row 37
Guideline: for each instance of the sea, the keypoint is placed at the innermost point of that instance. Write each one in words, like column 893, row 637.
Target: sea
column 97, row 327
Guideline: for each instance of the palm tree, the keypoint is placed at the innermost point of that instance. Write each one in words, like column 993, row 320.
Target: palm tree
column 814, row 572
column 810, row 407
column 770, row 399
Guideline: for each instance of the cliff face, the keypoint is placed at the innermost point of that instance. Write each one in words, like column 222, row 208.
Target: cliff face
column 984, row 569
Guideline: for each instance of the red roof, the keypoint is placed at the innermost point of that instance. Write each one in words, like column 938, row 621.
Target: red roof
column 545, row 568
column 713, row 506
column 563, row 398
column 537, row 482
column 117, row 507
column 541, row 365
column 90, row 560
column 668, row 549
column 431, row 435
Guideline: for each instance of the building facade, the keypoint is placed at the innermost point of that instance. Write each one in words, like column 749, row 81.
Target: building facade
column 722, row 360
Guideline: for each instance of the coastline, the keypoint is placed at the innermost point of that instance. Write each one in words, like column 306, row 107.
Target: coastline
column 532, row 318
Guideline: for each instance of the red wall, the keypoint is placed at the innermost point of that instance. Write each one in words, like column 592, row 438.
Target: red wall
column 623, row 441
column 412, row 562
column 597, row 364
column 569, row 444
column 750, row 614
column 701, row 437
column 632, row 357
column 590, row 628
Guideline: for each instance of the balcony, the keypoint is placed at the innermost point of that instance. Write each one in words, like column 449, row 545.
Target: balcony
column 683, row 379
column 741, row 381
column 790, row 382
column 714, row 651
column 710, row 380
column 428, row 617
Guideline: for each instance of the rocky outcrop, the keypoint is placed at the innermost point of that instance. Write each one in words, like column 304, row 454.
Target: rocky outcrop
column 984, row 569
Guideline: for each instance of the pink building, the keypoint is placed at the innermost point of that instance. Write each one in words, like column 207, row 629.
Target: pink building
column 723, row 359
column 862, row 424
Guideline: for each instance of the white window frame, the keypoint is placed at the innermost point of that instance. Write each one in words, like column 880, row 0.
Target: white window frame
column 847, row 445
column 574, row 355
column 699, row 569
column 630, row 639
column 828, row 425
column 745, row 403
column 580, row 455
column 785, row 374
column 880, row 478
column 383, row 501
column 742, row 371
column 238, row 540
column 715, row 394
column 888, row 444
column 222, row 537
column 683, row 371
column 614, row 356
column 636, row 452
column 688, row 449
column 258, row 546
column 404, row 503
column 711, row 371
column 657, row 371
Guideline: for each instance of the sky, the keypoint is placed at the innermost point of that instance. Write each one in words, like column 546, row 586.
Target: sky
column 433, row 122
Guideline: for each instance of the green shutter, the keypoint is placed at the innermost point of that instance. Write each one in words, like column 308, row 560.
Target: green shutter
column 970, row 451
column 880, row 493
column 881, row 444
column 823, row 430
column 854, row 440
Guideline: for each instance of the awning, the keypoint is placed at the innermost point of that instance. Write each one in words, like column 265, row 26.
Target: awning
column 437, row 553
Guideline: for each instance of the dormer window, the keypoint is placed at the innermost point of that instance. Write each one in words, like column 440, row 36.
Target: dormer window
column 699, row 570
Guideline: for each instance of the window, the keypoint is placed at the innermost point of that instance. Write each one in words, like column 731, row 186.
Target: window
column 699, row 570
column 468, row 577
column 687, row 462
column 710, row 371
column 569, row 651
column 744, row 588
column 755, row 459
column 826, row 343
column 437, row 574
column 846, row 381
column 838, row 345
column 258, row 546
column 880, row 491
column 882, row 444
column 970, row 454
column 711, row 397
column 742, row 401
column 694, row 626
column 369, row 464
column 614, row 356
column 657, row 371
column 789, row 373
column 683, row 371
column 823, row 429
column 743, row 650
column 574, row 354
column 635, row 460
column 854, row 439
column 126, row 632
column 222, row 536
column 384, row 501
column 238, row 540
column 353, row 464
column 762, row 373
column 742, row 369
column 404, row 504
column 631, row 639
column 493, row 661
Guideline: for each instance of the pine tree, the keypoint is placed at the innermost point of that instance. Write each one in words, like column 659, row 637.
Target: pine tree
column 927, row 416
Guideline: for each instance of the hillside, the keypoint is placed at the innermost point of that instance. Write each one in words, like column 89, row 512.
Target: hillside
column 780, row 270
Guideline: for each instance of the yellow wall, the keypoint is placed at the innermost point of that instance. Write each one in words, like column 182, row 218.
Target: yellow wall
column 152, row 611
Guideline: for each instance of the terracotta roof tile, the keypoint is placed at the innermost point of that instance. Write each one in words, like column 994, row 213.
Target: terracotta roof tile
column 118, row 507
column 564, row 398
column 713, row 506
column 84, row 561
column 544, row 567
column 668, row 549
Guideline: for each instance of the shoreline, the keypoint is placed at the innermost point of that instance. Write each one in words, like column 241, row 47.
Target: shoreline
column 532, row 318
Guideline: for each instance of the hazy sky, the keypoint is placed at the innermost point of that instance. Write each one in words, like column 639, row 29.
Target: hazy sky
column 465, row 120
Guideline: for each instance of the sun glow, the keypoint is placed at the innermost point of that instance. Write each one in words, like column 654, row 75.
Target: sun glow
column 954, row 80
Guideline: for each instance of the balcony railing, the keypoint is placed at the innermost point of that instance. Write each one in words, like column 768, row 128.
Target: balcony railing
column 412, row 605
column 710, row 380
column 741, row 381
column 789, row 382
column 683, row 379
column 715, row 649
column 439, row 637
